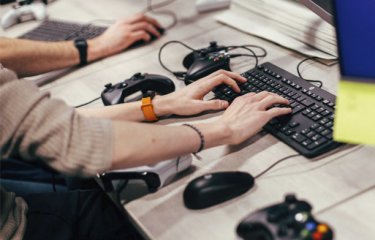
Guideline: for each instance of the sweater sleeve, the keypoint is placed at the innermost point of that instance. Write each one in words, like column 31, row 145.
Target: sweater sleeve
column 34, row 126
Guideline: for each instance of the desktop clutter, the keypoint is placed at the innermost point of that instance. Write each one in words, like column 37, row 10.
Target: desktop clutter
column 308, row 130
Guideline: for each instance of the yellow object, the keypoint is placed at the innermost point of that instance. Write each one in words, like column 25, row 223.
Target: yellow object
column 322, row 228
column 355, row 113
column 148, row 109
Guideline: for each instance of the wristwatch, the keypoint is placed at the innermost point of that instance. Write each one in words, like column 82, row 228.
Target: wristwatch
column 81, row 45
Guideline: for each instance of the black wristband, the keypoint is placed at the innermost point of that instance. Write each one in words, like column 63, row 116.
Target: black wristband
column 201, row 146
column 81, row 46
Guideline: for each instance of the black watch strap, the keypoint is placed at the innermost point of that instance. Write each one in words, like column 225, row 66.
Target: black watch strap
column 81, row 46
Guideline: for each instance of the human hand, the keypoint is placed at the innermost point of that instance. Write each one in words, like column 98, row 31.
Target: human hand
column 189, row 100
column 249, row 113
column 123, row 34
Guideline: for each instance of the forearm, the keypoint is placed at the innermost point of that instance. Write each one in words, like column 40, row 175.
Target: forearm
column 128, row 111
column 28, row 57
column 137, row 144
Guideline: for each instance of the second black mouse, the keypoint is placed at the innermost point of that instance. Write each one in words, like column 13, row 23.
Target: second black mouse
column 215, row 188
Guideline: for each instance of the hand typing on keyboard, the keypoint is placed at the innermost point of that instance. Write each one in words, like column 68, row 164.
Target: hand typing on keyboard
column 309, row 126
column 250, row 112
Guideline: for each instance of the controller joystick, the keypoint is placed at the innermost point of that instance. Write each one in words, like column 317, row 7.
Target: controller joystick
column 115, row 94
column 36, row 11
column 289, row 220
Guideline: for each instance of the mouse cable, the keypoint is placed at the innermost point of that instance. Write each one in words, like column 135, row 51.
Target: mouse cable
column 87, row 103
column 151, row 9
column 178, row 75
column 276, row 163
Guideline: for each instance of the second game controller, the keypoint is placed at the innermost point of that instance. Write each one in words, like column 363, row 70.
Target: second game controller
column 115, row 94
column 289, row 220
column 205, row 61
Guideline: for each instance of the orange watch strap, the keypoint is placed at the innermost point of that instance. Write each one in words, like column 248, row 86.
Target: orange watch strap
column 148, row 109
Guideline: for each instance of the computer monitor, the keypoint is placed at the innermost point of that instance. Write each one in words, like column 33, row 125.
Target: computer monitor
column 322, row 8
column 355, row 24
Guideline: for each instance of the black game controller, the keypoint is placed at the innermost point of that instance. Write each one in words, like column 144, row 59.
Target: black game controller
column 290, row 220
column 205, row 61
column 115, row 94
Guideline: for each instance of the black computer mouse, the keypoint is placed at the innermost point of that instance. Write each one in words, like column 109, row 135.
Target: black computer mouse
column 153, row 38
column 215, row 188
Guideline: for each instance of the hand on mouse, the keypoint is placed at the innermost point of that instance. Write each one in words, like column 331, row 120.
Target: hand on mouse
column 249, row 113
column 189, row 100
column 123, row 34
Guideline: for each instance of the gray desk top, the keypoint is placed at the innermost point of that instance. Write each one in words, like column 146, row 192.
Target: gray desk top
column 339, row 186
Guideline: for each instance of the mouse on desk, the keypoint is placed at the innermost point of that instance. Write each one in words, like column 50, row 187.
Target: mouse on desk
column 139, row 43
column 214, row 188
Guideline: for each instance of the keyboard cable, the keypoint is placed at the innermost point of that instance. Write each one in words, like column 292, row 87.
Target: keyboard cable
column 308, row 80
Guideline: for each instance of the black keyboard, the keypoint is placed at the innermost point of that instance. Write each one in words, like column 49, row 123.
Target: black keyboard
column 308, row 129
column 53, row 31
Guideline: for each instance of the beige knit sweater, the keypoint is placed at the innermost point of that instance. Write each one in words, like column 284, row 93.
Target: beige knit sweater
column 33, row 126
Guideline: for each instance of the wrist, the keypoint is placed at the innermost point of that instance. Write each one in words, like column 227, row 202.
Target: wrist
column 215, row 133
column 162, row 106
column 95, row 50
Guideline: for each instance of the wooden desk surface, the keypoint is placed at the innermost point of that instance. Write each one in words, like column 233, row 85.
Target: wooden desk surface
column 339, row 186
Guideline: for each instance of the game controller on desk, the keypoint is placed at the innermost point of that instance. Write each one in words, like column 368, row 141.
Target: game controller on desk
column 116, row 94
column 289, row 220
column 202, row 62
column 18, row 14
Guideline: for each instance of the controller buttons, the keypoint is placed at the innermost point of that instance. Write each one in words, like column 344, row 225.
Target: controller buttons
column 301, row 217
column 311, row 226
column 305, row 234
column 108, row 85
column 123, row 85
column 317, row 236
column 322, row 228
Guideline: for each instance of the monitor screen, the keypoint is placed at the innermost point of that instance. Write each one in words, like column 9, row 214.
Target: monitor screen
column 321, row 7
column 355, row 24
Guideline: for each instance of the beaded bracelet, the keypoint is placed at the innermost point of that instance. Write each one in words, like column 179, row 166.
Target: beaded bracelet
column 201, row 146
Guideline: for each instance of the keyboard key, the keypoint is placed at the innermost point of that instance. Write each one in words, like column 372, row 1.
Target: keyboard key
column 307, row 102
column 298, row 138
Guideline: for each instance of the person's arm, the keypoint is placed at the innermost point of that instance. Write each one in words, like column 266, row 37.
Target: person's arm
column 184, row 102
column 27, row 57
column 36, row 127
column 152, row 143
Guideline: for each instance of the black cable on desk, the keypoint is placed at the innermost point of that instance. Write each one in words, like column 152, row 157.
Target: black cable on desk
column 276, row 163
column 87, row 103
column 178, row 75
column 309, row 80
